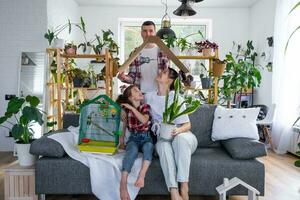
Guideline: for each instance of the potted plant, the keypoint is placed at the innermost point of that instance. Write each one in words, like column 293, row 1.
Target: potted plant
column 206, row 47
column 79, row 77
column 241, row 72
column 70, row 49
column 205, row 78
column 218, row 67
column 174, row 110
column 184, row 45
column 52, row 35
column 25, row 113
column 86, row 46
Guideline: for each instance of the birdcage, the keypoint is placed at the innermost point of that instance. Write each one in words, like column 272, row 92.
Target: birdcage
column 99, row 125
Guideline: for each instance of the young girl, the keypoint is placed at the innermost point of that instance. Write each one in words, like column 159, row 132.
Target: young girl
column 138, row 124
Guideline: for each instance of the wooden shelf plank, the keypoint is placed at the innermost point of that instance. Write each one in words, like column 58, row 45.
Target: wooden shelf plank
column 83, row 56
column 196, row 57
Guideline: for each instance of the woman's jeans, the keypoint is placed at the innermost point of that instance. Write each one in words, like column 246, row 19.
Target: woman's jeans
column 138, row 141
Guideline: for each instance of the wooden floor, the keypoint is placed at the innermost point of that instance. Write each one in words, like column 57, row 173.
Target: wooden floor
column 282, row 180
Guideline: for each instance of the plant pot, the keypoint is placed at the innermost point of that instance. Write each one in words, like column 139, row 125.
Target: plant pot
column 24, row 157
column 206, row 83
column 77, row 82
column 70, row 50
column 58, row 43
column 218, row 69
column 88, row 50
column 101, row 83
column 208, row 52
column 165, row 131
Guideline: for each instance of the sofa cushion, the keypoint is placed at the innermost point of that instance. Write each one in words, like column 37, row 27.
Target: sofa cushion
column 70, row 119
column 244, row 148
column 235, row 123
column 45, row 146
column 202, row 121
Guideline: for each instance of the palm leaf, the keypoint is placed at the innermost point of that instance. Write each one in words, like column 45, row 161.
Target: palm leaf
column 287, row 44
column 298, row 4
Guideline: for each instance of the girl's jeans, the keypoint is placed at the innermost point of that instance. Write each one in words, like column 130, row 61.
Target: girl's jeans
column 138, row 141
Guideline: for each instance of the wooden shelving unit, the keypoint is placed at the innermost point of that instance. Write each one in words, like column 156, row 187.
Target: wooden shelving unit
column 215, row 79
column 55, row 89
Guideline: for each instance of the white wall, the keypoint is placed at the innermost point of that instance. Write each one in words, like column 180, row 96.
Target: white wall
column 58, row 13
column 229, row 24
column 262, row 26
column 23, row 24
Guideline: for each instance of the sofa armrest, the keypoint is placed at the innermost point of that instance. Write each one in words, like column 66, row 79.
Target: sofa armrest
column 244, row 148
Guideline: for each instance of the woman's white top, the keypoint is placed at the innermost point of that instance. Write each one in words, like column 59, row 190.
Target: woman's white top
column 157, row 104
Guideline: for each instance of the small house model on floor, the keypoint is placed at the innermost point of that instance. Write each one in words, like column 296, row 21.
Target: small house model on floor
column 99, row 125
column 229, row 184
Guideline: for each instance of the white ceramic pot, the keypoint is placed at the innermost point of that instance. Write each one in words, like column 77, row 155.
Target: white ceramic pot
column 88, row 50
column 58, row 43
column 24, row 157
column 165, row 131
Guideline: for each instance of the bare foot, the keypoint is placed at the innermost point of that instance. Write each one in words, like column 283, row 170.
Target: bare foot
column 124, row 192
column 184, row 191
column 139, row 181
column 175, row 194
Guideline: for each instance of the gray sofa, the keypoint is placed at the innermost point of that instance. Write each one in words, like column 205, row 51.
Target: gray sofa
column 212, row 161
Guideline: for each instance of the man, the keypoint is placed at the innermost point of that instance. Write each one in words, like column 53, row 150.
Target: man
column 144, row 69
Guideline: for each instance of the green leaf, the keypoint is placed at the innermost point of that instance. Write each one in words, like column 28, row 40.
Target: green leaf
column 298, row 4
column 14, row 105
column 297, row 163
column 24, row 120
column 287, row 43
column 17, row 131
column 82, row 24
column 69, row 25
column 33, row 100
column 3, row 119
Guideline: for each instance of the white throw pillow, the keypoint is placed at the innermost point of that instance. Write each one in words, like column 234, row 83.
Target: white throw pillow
column 235, row 123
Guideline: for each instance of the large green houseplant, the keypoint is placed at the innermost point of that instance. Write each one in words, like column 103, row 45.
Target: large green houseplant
column 20, row 116
column 175, row 110
column 241, row 72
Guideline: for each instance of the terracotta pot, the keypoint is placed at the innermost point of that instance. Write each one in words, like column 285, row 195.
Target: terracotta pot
column 218, row 69
column 208, row 52
column 70, row 50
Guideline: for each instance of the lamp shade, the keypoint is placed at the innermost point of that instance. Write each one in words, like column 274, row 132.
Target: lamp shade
column 184, row 10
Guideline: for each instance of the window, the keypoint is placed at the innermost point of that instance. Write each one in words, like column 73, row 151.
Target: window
column 130, row 38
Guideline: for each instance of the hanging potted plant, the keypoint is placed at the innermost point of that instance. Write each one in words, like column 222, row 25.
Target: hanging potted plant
column 206, row 47
column 25, row 113
column 174, row 110
column 218, row 67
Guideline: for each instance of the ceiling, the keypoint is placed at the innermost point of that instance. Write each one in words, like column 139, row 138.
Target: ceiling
column 205, row 3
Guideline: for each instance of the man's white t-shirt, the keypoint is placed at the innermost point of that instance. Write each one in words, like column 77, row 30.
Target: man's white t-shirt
column 157, row 104
column 149, row 69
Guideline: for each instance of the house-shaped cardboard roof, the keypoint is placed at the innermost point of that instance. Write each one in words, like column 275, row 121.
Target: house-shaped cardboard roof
column 164, row 49
column 229, row 184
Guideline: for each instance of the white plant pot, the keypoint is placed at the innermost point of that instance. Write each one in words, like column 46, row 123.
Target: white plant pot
column 87, row 51
column 24, row 157
column 100, row 83
column 165, row 131
column 58, row 43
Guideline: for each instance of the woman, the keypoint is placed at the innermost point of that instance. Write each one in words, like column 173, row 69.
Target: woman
column 175, row 155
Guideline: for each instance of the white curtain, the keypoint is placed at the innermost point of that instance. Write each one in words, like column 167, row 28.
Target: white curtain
column 286, row 73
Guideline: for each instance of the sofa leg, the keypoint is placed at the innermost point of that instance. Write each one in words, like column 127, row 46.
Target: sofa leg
column 75, row 196
column 42, row 197
column 227, row 197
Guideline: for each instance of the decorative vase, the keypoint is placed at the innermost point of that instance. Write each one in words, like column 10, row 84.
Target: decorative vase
column 218, row 69
column 24, row 157
column 165, row 131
